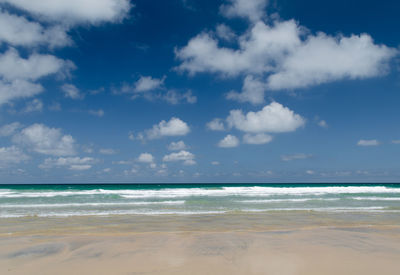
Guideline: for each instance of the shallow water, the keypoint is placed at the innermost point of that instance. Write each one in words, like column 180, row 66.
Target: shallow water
column 109, row 200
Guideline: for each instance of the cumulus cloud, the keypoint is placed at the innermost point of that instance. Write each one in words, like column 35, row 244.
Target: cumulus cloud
column 174, row 127
column 285, row 56
column 73, row 163
column 368, row 142
column 36, row 66
column 322, row 123
column 176, row 146
column 252, row 10
column 229, row 141
column 72, row 12
column 174, row 97
column 11, row 155
column 261, row 49
column 18, row 31
column 48, row 25
column 252, row 91
column 10, row 129
column 71, row 91
column 148, row 83
column 18, row 89
column 224, row 32
column 35, row 105
column 148, row 88
column 296, row 157
column 257, row 139
column 185, row 156
column 146, row 158
column 273, row 118
column 17, row 74
column 44, row 140
column 323, row 59
column 216, row 125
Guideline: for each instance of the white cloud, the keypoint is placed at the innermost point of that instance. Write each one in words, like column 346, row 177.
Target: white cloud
column 174, row 97
column 261, row 50
column 174, row 127
column 310, row 172
column 185, row 156
column 189, row 162
column 73, row 163
column 71, row 91
column 80, row 167
column 257, row 138
column 44, row 140
column 322, row 123
column 228, row 142
column 123, row 162
column 132, row 171
column 17, row 74
column 396, row 141
column 296, row 157
column 18, row 31
column 149, row 88
column 107, row 151
column 215, row 163
column 75, row 11
column 18, row 89
column 253, row 10
column 9, row 129
column 35, row 105
column 285, row 56
column 146, row 158
column 368, row 142
column 176, row 146
column 216, row 125
column 273, row 118
column 252, row 91
column 323, row 59
column 98, row 113
column 36, row 66
column 225, row 33
column 11, row 155
column 148, row 83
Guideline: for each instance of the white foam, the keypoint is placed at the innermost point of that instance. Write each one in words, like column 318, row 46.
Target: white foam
column 224, row 191
column 158, row 213
column 376, row 198
column 111, row 213
column 288, row 200
column 323, row 209
column 255, row 191
column 60, row 205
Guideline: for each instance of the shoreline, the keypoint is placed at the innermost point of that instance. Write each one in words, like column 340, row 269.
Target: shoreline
column 257, row 221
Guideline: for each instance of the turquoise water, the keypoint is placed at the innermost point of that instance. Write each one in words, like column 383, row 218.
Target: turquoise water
column 136, row 199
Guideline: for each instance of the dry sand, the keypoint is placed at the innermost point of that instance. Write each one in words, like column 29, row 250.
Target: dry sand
column 181, row 246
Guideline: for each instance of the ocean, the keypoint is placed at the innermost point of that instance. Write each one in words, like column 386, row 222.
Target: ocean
column 193, row 199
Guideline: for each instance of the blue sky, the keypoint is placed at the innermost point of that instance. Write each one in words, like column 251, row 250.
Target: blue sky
column 199, row 91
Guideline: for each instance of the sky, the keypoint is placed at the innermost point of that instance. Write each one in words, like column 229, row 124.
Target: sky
column 153, row 91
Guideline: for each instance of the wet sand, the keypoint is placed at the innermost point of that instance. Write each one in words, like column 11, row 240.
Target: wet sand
column 304, row 243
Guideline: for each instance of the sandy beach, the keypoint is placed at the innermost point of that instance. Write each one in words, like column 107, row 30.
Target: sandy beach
column 220, row 244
